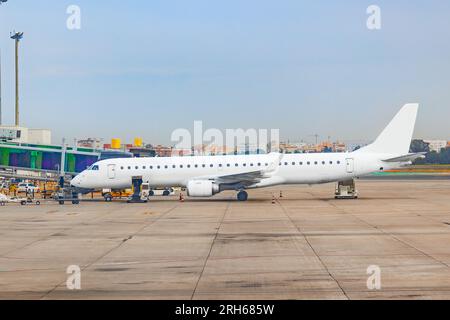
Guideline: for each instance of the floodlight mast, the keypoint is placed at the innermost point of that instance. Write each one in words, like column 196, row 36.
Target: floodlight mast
column 1, row 1
column 17, row 36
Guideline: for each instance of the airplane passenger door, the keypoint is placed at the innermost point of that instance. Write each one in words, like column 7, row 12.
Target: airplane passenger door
column 350, row 163
column 111, row 171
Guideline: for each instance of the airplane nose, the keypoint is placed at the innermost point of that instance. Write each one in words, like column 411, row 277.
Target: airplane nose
column 75, row 181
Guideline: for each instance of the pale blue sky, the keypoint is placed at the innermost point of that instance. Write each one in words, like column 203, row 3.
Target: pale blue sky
column 145, row 68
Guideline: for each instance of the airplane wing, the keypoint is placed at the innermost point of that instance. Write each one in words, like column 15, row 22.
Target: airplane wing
column 244, row 179
column 249, row 178
column 407, row 157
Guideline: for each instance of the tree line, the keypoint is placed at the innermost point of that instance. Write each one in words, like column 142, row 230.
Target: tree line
column 432, row 157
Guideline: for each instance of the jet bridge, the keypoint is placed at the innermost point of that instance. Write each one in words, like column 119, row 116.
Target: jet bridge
column 47, row 163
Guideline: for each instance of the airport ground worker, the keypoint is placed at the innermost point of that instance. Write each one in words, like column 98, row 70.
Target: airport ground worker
column 13, row 190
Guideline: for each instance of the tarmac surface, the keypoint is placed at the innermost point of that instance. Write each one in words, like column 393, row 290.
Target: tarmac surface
column 305, row 246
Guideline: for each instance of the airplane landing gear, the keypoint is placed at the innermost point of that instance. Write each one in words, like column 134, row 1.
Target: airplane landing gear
column 242, row 196
column 346, row 190
column 137, row 183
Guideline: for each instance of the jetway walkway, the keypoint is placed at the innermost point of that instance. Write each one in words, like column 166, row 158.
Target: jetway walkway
column 48, row 163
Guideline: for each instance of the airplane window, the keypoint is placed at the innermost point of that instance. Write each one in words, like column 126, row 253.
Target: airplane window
column 220, row 165
column 211, row 165
column 259, row 164
column 129, row 168
column 203, row 165
column 136, row 167
column 228, row 164
column 166, row 167
column 144, row 167
column 121, row 168
column 159, row 167
column 181, row 166
column 323, row 162
column 293, row 163
column 188, row 165
column 196, row 165
column 151, row 167
column 244, row 164
column 331, row 162
column 308, row 163
column 280, row 163
column 338, row 162
column 315, row 162
column 301, row 163
column 236, row 165
column 251, row 164
column 267, row 164
column 285, row 163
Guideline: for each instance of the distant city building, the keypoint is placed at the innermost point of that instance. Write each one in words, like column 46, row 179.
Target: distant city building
column 436, row 145
column 93, row 143
column 313, row 148
column 293, row 147
column 339, row 147
column 162, row 151
column 142, row 152
column 25, row 135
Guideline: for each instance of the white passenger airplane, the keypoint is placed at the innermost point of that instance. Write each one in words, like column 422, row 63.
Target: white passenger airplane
column 204, row 176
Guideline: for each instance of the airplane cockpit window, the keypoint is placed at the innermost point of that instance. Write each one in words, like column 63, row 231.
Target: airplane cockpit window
column 94, row 168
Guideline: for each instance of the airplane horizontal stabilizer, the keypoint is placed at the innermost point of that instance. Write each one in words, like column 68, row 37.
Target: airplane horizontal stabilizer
column 407, row 157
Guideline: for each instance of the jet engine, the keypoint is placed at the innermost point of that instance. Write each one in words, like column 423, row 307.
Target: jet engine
column 202, row 188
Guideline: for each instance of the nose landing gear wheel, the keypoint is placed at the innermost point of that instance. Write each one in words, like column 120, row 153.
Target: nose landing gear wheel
column 242, row 196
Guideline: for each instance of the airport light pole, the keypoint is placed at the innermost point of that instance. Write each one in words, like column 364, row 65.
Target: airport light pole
column 1, row 86
column 17, row 36
column 1, row 1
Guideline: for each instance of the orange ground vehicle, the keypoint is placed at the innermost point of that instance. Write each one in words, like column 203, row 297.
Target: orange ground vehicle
column 109, row 194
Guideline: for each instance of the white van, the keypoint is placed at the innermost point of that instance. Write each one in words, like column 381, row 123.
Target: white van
column 27, row 187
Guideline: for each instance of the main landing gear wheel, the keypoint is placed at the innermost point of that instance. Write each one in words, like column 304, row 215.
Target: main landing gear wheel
column 242, row 196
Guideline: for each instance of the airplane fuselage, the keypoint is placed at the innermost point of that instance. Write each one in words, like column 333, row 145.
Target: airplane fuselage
column 207, row 175
column 311, row 168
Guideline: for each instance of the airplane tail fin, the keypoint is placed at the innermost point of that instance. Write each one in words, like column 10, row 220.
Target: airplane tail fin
column 396, row 137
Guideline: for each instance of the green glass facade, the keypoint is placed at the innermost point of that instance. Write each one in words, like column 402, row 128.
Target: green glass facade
column 45, row 157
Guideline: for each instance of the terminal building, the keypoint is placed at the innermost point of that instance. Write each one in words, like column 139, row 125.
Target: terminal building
column 29, row 152
column 25, row 135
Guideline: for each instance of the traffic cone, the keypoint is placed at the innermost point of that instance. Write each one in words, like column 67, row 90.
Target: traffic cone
column 181, row 197
column 273, row 199
column 281, row 194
